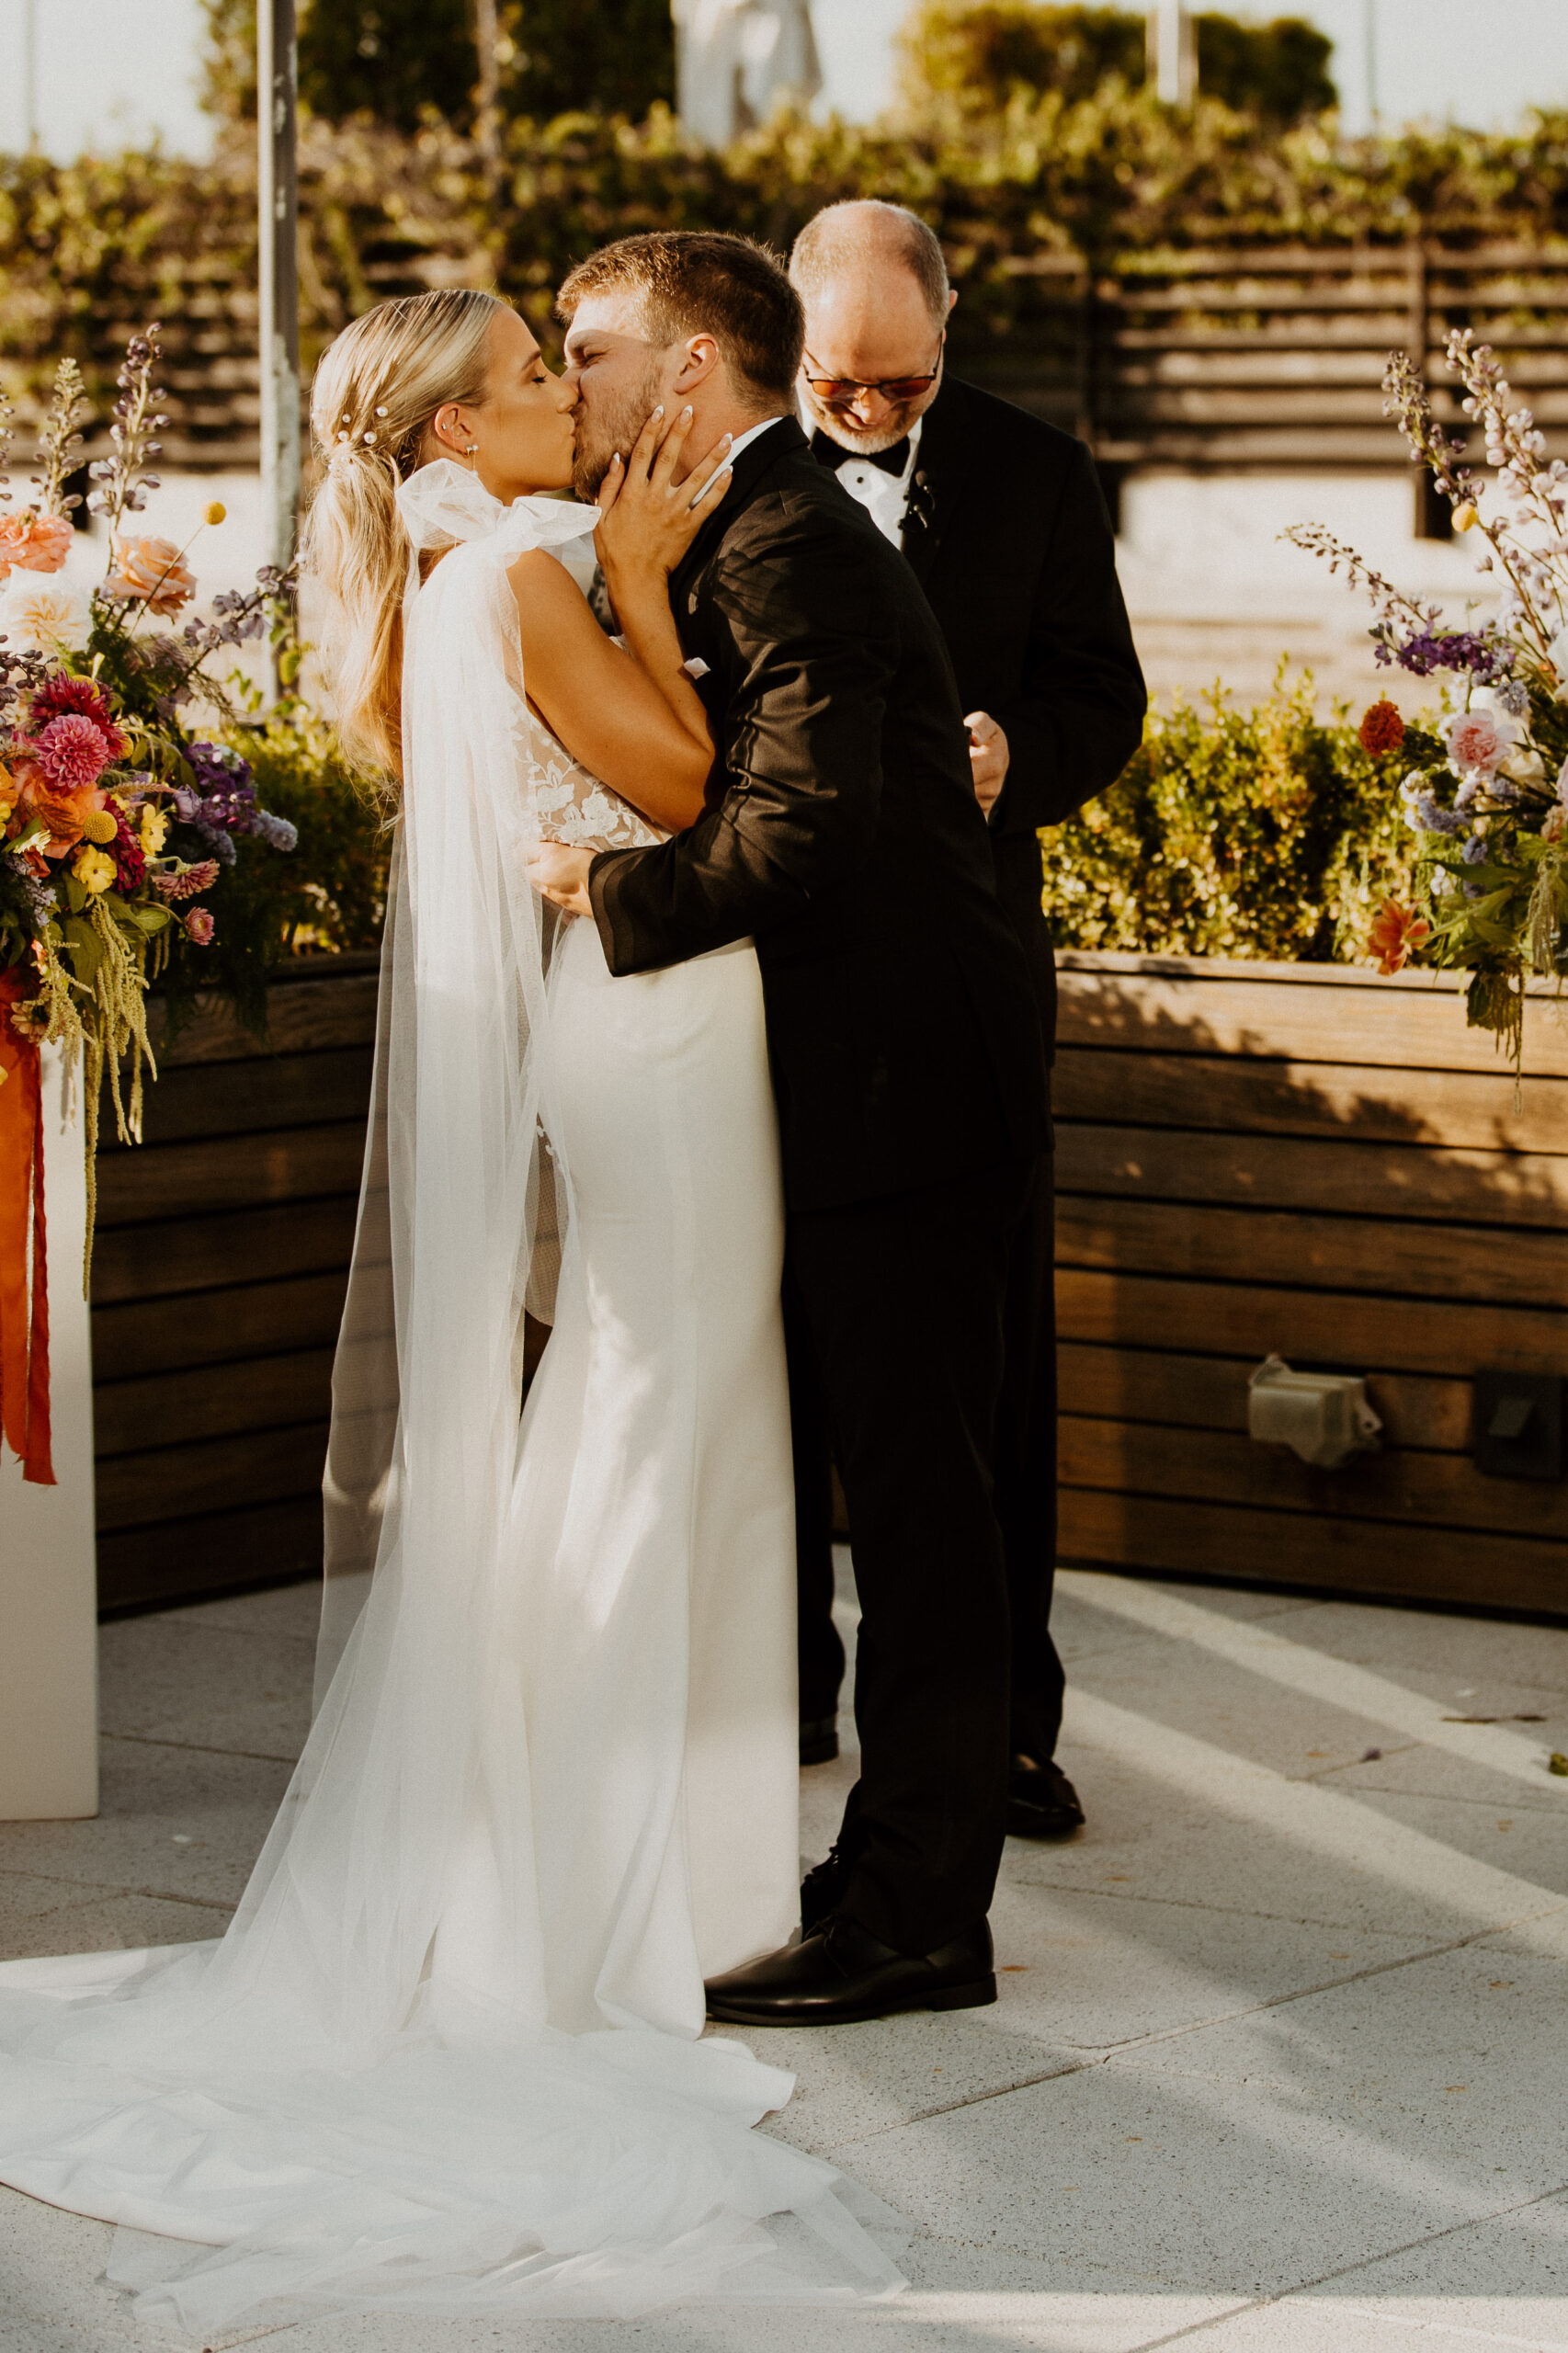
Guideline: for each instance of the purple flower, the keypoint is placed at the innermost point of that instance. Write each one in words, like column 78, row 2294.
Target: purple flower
column 225, row 790
column 1474, row 851
column 1456, row 650
column 276, row 832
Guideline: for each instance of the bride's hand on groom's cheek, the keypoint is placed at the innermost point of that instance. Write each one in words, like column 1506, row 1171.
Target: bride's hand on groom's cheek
column 560, row 873
column 647, row 518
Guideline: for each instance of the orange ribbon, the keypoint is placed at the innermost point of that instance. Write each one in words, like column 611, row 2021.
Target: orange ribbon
column 24, row 1258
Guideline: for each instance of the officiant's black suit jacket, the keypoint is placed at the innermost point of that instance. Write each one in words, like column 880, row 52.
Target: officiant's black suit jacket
column 1007, row 533
column 841, row 833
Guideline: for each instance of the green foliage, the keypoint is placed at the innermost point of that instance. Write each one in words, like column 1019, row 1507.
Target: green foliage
column 228, row 60
column 328, row 892
column 614, row 57
column 1278, row 70
column 395, row 60
column 1267, row 833
column 388, row 58
column 92, row 249
column 980, row 60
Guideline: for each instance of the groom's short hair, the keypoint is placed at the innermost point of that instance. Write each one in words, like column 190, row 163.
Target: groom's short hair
column 704, row 281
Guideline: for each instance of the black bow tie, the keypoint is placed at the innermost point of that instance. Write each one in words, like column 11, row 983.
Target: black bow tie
column 832, row 453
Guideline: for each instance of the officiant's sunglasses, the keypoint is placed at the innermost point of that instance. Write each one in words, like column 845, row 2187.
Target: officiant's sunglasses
column 842, row 391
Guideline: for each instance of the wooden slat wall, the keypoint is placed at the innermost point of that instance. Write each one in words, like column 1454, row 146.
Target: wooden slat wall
column 1256, row 1157
column 218, row 1281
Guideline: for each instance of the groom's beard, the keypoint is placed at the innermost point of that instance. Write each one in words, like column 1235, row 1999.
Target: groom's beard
column 612, row 424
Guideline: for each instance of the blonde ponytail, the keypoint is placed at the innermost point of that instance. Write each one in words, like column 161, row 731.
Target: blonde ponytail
column 377, row 390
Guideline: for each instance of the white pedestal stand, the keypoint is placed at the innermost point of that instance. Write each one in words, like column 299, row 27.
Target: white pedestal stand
column 49, row 1761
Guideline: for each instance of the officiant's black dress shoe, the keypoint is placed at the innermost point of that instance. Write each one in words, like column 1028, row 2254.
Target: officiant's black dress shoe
column 1041, row 1801
column 842, row 1973
column 819, row 1739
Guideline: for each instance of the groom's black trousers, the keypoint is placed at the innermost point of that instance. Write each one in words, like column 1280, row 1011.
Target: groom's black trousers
column 1026, row 1491
column 901, row 1307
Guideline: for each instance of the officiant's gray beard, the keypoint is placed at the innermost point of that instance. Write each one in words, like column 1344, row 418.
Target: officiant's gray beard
column 821, row 418
column 606, row 425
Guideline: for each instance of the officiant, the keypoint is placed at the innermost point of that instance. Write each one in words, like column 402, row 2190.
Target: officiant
column 1002, row 518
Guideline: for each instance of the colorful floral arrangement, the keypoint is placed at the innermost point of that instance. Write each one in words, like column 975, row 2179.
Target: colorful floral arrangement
column 115, row 818
column 1485, row 786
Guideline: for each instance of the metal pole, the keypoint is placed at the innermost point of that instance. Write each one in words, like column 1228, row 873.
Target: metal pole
column 29, row 73
column 277, row 82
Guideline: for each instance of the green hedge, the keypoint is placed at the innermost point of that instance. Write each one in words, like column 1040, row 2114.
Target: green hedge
column 88, row 248
column 1267, row 833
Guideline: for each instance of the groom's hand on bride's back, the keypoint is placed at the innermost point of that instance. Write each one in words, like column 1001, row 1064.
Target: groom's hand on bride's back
column 558, row 873
column 651, row 507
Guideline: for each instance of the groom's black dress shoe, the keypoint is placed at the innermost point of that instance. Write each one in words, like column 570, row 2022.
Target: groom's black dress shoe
column 1041, row 1801
column 819, row 1739
column 841, row 1973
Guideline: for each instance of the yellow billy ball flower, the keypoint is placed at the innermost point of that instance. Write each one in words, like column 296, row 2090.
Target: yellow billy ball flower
column 93, row 871
column 215, row 513
column 99, row 826
column 153, row 829
column 1465, row 518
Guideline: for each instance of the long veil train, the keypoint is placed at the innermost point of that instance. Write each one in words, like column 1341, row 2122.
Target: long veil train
column 334, row 2106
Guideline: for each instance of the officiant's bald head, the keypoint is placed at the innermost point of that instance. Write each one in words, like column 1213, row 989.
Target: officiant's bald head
column 873, row 281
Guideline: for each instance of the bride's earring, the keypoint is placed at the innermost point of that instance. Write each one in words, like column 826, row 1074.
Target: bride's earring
column 471, row 453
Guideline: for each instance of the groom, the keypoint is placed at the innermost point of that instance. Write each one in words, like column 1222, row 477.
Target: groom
column 843, row 834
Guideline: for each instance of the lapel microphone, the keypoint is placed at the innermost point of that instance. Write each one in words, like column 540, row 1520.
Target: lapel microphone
column 922, row 506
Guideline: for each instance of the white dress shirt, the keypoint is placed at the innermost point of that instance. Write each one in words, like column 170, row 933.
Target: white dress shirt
column 884, row 496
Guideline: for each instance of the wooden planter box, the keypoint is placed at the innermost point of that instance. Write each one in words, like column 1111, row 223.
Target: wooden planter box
column 1251, row 1157
column 1310, row 1160
column 218, row 1282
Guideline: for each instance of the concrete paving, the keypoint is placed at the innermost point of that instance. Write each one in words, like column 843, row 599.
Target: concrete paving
column 1280, row 2060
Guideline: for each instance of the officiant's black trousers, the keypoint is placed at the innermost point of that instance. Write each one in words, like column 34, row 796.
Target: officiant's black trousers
column 1026, row 1491
column 902, row 1305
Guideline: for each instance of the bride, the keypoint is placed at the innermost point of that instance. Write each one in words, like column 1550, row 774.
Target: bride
column 446, row 2057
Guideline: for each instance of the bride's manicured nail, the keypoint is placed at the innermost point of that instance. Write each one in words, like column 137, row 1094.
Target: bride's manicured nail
column 686, row 411
column 725, row 439
column 659, row 411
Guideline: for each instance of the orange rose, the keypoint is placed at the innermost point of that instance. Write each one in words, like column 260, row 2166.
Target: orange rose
column 9, row 788
column 33, row 544
column 65, row 813
column 149, row 573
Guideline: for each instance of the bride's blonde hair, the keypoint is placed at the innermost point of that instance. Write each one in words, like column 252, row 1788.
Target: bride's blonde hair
column 376, row 394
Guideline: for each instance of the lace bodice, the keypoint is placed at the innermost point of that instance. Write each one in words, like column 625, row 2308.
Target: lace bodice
column 571, row 806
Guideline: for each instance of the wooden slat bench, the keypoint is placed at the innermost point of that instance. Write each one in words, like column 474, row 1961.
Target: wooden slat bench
column 1313, row 1161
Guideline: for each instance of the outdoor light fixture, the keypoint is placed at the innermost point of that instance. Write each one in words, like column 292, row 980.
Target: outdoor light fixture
column 1517, row 1428
column 1322, row 1416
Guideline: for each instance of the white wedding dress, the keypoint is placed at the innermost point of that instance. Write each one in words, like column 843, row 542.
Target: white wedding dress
column 447, row 2057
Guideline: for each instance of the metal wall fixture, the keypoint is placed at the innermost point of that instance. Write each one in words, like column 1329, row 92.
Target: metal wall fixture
column 1516, row 1425
column 1323, row 1416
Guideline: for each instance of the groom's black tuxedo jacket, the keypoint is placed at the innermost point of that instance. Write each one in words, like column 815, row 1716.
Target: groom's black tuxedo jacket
column 1007, row 533
column 842, row 833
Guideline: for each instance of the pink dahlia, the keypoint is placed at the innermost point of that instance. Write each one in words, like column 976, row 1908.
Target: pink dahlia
column 189, row 885
column 199, row 927
column 73, row 752
column 62, row 694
